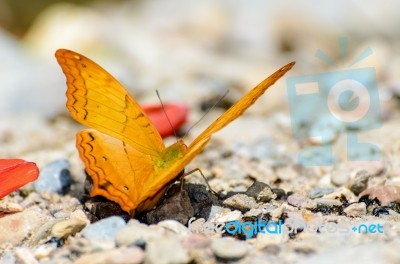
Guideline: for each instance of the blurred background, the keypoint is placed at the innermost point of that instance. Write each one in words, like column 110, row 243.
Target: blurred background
column 189, row 50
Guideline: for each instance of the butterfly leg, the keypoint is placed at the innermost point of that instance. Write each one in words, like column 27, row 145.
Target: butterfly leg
column 182, row 182
column 204, row 177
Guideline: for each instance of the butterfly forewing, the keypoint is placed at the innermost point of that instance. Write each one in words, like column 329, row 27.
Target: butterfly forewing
column 240, row 106
column 98, row 100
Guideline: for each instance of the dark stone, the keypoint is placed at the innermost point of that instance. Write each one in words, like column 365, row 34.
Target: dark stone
column 177, row 207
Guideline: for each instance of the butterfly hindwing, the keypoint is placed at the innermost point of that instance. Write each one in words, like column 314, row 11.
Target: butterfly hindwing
column 122, row 174
column 118, row 171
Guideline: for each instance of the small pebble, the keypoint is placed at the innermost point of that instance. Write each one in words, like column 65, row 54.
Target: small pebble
column 227, row 217
column 327, row 202
column 346, row 172
column 393, row 215
column 54, row 177
column 356, row 210
column 262, row 149
column 359, row 181
column 15, row 228
column 25, row 256
column 286, row 173
column 229, row 248
column 342, row 192
column 277, row 213
column 61, row 215
column 133, row 255
column 366, row 253
column 241, row 202
column 385, row 194
column 44, row 251
column 195, row 241
column 256, row 213
column 6, row 207
column 166, row 250
column 312, row 204
column 104, row 230
column 319, row 156
column 297, row 200
column 80, row 214
column 33, row 199
column 217, row 210
column 261, row 192
column 8, row 257
column 280, row 193
column 319, row 192
column 67, row 227
column 44, row 231
column 268, row 208
column 272, row 242
column 135, row 231
column 175, row 227
column 339, row 177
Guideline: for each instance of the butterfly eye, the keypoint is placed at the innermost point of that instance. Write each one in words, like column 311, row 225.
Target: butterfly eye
column 126, row 188
column 104, row 158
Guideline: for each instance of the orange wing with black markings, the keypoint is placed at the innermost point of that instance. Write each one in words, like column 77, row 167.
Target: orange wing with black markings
column 98, row 100
column 123, row 153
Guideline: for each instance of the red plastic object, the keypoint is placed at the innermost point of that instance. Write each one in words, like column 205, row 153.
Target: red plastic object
column 15, row 173
column 177, row 114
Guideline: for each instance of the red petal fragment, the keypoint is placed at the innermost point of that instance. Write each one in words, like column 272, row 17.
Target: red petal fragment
column 177, row 113
column 15, row 173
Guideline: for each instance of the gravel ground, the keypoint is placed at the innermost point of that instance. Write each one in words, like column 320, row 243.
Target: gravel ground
column 341, row 212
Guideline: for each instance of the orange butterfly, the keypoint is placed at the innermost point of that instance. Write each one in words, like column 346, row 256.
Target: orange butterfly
column 123, row 153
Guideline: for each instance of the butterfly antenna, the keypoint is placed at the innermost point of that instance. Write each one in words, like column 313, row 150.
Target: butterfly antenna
column 208, row 110
column 165, row 113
